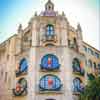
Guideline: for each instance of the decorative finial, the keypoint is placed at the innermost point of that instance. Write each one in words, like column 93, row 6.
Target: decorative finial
column 49, row 0
column 79, row 27
column 49, row 5
column 35, row 14
column 20, row 28
column 63, row 14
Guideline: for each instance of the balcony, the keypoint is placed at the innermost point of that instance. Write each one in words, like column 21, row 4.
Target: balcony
column 49, row 38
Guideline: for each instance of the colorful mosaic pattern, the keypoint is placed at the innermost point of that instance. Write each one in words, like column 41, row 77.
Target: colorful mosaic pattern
column 50, row 62
column 21, row 87
column 50, row 83
column 78, row 66
column 22, row 67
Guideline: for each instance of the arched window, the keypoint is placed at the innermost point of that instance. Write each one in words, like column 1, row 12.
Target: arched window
column 75, row 41
column 50, row 82
column 77, row 85
column 23, row 66
column 50, row 62
column 78, row 66
column 21, row 87
column 23, row 82
column 89, row 63
column 98, row 68
column 75, row 44
column 49, row 30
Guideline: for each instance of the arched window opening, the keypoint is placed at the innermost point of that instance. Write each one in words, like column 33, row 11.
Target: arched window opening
column 78, row 86
column 75, row 44
column 22, row 67
column 50, row 62
column 21, row 87
column 50, row 82
column 49, row 30
column 78, row 66
column 72, row 43
column 75, row 41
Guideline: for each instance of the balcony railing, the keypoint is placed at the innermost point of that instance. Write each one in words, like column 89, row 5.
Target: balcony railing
column 49, row 38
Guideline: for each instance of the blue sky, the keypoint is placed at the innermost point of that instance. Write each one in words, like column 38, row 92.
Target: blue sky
column 85, row 12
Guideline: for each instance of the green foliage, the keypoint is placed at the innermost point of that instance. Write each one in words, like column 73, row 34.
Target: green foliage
column 92, row 90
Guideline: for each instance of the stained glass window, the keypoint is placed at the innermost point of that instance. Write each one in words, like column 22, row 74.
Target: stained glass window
column 78, row 66
column 77, row 85
column 50, row 82
column 23, row 65
column 21, row 87
column 50, row 62
column 23, row 82
column 50, row 30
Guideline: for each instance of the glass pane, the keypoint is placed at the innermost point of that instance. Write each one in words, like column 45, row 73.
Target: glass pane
column 23, row 65
column 76, row 85
column 50, row 62
column 50, row 30
column 50, row 82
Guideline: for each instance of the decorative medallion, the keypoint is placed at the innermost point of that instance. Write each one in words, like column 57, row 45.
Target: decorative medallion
column 21, row 87
column 50, row 62
column 50, row 83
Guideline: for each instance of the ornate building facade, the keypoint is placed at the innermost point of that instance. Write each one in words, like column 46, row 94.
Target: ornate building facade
column 47, row 60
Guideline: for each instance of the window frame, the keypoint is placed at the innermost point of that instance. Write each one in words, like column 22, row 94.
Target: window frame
column 77, row 87
column 55, row 62
column 25, row 63
column 44, row 86
column 50, row 30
